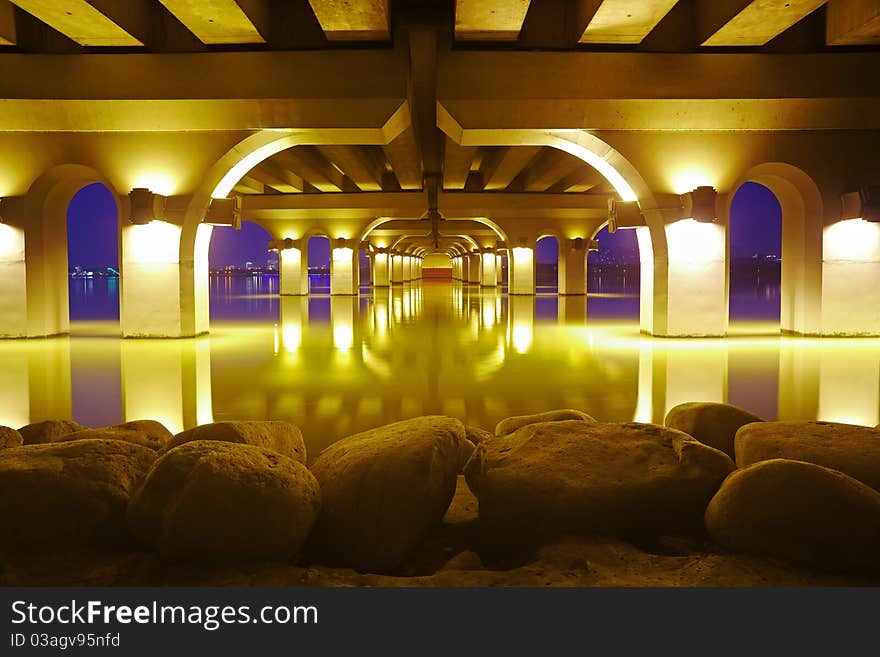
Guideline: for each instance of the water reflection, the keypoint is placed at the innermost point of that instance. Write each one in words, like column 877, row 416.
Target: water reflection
column 337, row 365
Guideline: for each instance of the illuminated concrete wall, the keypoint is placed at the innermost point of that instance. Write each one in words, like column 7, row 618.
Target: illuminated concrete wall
column 294, row 271
column 344, row 270
column 381, row 269
column 522, row 271
column 850, row 277
column 13, row 290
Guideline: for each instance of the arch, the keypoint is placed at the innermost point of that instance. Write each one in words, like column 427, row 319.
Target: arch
column 44, row 307
column 373, row 225
column 802, row 221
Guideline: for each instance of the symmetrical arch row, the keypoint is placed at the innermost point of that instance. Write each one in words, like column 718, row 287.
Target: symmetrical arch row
column 831, row 261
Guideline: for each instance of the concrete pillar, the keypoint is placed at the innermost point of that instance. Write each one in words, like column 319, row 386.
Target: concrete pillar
column 13, row 284
column 171, row 384
column 397, row 269
column 464, row 267
column 293, row 264
column 488, row 270
column 499, row 270
column 683, row 290
column 158, row 285
column 572, row 266
column 343, row 268
column 474, row 272
column 381, row 268
column 521, row 270
column 417, row 269
column 850, row 271
column 407, row 268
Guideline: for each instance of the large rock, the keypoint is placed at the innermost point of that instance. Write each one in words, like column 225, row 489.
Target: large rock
column 58, row 496
column 48, row 431
column 800, row 512
column 477, row 435
column 9, row 437
column 383, row 490
column 511, row 424
column 282, row 437
column 852, row 449
column 711, row 423
column 211, row 500
column 594, row 478
column 147, row 433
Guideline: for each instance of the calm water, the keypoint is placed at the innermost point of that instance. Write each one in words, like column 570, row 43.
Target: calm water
column 339, row 365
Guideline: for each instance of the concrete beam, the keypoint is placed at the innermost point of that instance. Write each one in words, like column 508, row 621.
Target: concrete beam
column 341, row 206
column 7, row 23
column 852, row 23
column 308, row 163
column 402, row 154
column 215, row 22
column 356, row 164
column 607, row 91
column 277, row 178
column 497, row 205
column 358, row 20
column 547, row 169
column 489, row 20
column 622, row 21
column 757, row 21
column 457, row 164
column 511, row 161
column 79, row 21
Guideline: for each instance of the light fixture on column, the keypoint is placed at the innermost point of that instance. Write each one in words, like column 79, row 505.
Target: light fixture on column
column 283, row 244
column 863, row 204
column 145, row 206
column 699, row 204
column 624, row 214
column 592, row 245
column 10, row 208
column 224, row 212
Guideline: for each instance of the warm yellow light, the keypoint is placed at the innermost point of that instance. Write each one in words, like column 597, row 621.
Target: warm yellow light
column 852, row 239
column 158, row 182
column 690, row 177
column 244, row 165
column 156, row 242
column 291, row 337
column 11, row 243
column 689, row 240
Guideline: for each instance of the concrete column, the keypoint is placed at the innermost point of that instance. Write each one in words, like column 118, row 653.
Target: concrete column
column 499, row 270
column 381, row 268
column 396, row 269
column 343, row 268
column 850, row 272
column 683, row 290
column 157, row 284
column 463, row 266
column 418, row 267
column 13, row 285
column 521, row 270
column 171, row 384
column 407, row 269
column 474, row 272
column 293, row 263
column 572, row 266
column 488, row 270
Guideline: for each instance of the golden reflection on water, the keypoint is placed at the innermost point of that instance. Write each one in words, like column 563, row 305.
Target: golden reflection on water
column 472, row 353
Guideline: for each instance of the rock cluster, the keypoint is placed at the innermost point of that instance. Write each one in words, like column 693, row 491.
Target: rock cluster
column 391, row 500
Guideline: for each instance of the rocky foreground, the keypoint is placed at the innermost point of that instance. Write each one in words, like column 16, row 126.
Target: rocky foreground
column 716, row 497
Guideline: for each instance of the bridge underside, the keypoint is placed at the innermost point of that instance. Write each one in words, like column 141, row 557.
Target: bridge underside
column 471, row 130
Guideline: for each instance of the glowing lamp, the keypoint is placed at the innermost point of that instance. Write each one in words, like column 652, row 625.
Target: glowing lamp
column 224, row 212
column 592, row 245
column 145, row 206
column 624, row 214
column 863, row 204
column 699, row 205
column 281, row 245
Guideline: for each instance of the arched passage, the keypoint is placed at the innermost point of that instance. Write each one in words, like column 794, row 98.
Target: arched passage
column 802, row 218
column 244, row 274
column 34, row 253
column 755, row 235
column 613, row 276
column 547, row 264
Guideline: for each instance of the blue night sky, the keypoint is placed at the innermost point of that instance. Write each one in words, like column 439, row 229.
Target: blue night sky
column 756, row 227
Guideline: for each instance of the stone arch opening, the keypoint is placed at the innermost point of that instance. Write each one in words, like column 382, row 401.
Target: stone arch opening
column 801, row 258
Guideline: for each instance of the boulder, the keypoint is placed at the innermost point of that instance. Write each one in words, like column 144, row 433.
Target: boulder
column 384, row 490
column 466, row 450
column 852, row 449
column 477, row 435
column 282, row 437
column 147, row 433
column 61, row 496
column 511, row 424
column 576, row 477
column 48, row 430
column 221, row 501
column 800, row 512
column 9, row 437
column 711, row 423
